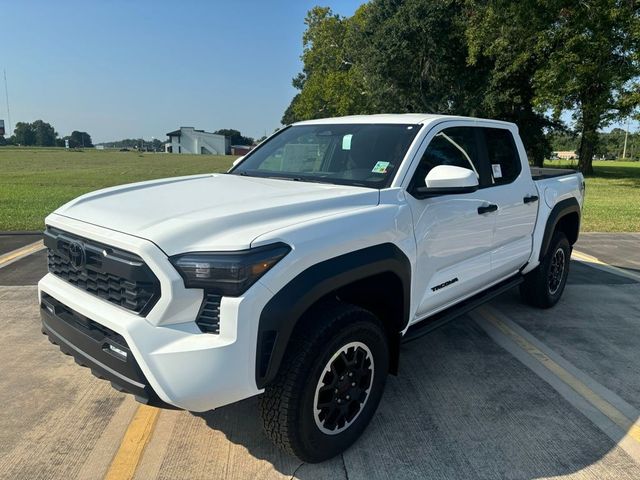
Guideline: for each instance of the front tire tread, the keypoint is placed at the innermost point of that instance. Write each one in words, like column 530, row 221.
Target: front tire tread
column 280, row 404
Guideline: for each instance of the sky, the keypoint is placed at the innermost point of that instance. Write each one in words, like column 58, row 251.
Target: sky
column 130, row 69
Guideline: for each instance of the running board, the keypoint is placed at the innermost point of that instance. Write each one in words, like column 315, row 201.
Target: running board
column 429, row 324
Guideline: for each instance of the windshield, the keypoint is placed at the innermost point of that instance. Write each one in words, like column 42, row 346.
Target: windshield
column 350, row 154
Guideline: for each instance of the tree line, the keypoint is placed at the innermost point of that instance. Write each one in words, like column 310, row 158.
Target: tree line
column 156, row 145
column 235, row 137
column 527, row 62
column 42, row 134
column 136, row 144
column 610, row 145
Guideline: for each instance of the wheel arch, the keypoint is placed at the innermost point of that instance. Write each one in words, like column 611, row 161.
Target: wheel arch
column 564, row 217
column 377, row 278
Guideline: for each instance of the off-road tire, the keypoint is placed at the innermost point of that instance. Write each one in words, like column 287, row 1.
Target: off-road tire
column 288, row 404
column 543, row 286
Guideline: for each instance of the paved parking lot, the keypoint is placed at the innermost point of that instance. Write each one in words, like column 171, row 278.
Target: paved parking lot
column 504, row 392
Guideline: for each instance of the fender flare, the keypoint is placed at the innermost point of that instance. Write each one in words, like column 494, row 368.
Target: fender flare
column 281, row 314
column 560, row 210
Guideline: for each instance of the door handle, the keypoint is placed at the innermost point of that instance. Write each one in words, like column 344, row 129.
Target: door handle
column 530, row 199
column 487, row 209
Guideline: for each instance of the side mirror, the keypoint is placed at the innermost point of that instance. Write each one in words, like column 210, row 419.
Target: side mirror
column 448, row 180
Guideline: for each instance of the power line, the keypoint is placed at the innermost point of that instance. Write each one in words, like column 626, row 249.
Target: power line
column 6, row 94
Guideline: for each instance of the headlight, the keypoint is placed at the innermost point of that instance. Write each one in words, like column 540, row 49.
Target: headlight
column 228, row 273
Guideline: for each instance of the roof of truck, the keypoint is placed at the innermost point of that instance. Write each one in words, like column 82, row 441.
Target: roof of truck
column 403, row 118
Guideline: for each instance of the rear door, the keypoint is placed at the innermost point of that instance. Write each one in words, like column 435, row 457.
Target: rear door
column 454, row 239
column 513, row 191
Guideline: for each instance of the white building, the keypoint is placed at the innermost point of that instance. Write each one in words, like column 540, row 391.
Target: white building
column 190, row 140
column 565, row 155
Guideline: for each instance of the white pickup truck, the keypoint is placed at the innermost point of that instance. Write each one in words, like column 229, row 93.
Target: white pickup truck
column 298, row 273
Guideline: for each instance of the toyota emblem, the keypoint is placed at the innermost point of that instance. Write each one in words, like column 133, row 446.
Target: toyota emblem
column 76, row 254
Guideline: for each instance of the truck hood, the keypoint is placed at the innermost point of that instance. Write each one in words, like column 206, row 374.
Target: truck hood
column 212, row 212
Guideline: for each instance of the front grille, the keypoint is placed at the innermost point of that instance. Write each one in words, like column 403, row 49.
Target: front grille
column 115, row 275
column 209, row 316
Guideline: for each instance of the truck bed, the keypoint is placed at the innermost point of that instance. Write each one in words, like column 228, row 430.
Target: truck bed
column 542, row 173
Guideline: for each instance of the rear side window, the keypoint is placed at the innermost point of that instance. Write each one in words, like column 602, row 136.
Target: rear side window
column 455, row 146
column 503, row 155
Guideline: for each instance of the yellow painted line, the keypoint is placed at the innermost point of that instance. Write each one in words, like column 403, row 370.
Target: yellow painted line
column 616, row 416
column 124, row 463
column 20, row 253
column 583, row 257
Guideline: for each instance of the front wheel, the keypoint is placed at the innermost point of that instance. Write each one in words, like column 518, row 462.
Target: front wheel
column 329, row 385
column 543, row 286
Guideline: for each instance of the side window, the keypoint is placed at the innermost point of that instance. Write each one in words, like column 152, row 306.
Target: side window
column 455, row 146
column 503, row 155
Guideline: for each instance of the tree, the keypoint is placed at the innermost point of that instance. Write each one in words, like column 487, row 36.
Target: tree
column 564, row 142
column 331, row 83
column 289, row 116
column 610, row 144
column 582, row 57
column 24, row 134
column 135, row 143
column 235, row 137
column 80, row 140
column 499, row 32
column 414, row 57
column 592, row 49
column 526, row 62
column 38, row 133
column 389, row 56
column 44, row 134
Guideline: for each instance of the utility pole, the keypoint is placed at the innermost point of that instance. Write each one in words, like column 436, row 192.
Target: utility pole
column 626, row 134
column 6, row 94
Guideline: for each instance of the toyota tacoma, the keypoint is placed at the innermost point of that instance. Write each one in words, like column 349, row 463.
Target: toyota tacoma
column 299, row 272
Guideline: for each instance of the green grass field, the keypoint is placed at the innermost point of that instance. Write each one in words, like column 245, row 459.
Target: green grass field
column 35, row 181
column 612, row 202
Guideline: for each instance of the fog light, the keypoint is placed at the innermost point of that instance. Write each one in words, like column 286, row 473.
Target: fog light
column 121, row 353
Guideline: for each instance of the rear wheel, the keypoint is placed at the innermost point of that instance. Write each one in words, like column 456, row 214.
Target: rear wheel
column 329, row 385
column 544, row 285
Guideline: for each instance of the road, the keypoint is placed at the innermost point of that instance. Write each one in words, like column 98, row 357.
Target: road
column 507, row 391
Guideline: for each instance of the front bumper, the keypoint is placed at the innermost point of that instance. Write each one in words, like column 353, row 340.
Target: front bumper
column 103, row 351
column 173, row 362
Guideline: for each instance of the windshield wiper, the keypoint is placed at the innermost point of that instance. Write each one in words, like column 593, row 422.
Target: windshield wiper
column 308, row 180
column 293, row 179
column 327, row 181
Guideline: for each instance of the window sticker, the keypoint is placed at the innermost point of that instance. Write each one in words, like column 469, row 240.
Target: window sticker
column 346, row 142
column 380, row 167
column 497, row 170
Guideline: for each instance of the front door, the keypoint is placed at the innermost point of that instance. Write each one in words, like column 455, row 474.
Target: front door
column 454, row 238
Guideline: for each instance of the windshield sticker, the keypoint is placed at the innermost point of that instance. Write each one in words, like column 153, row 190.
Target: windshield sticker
column 346, row 142
column 380, row 167
column 497, row 170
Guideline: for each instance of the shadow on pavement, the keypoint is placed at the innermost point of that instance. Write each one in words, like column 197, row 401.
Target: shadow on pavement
column 462, row 407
